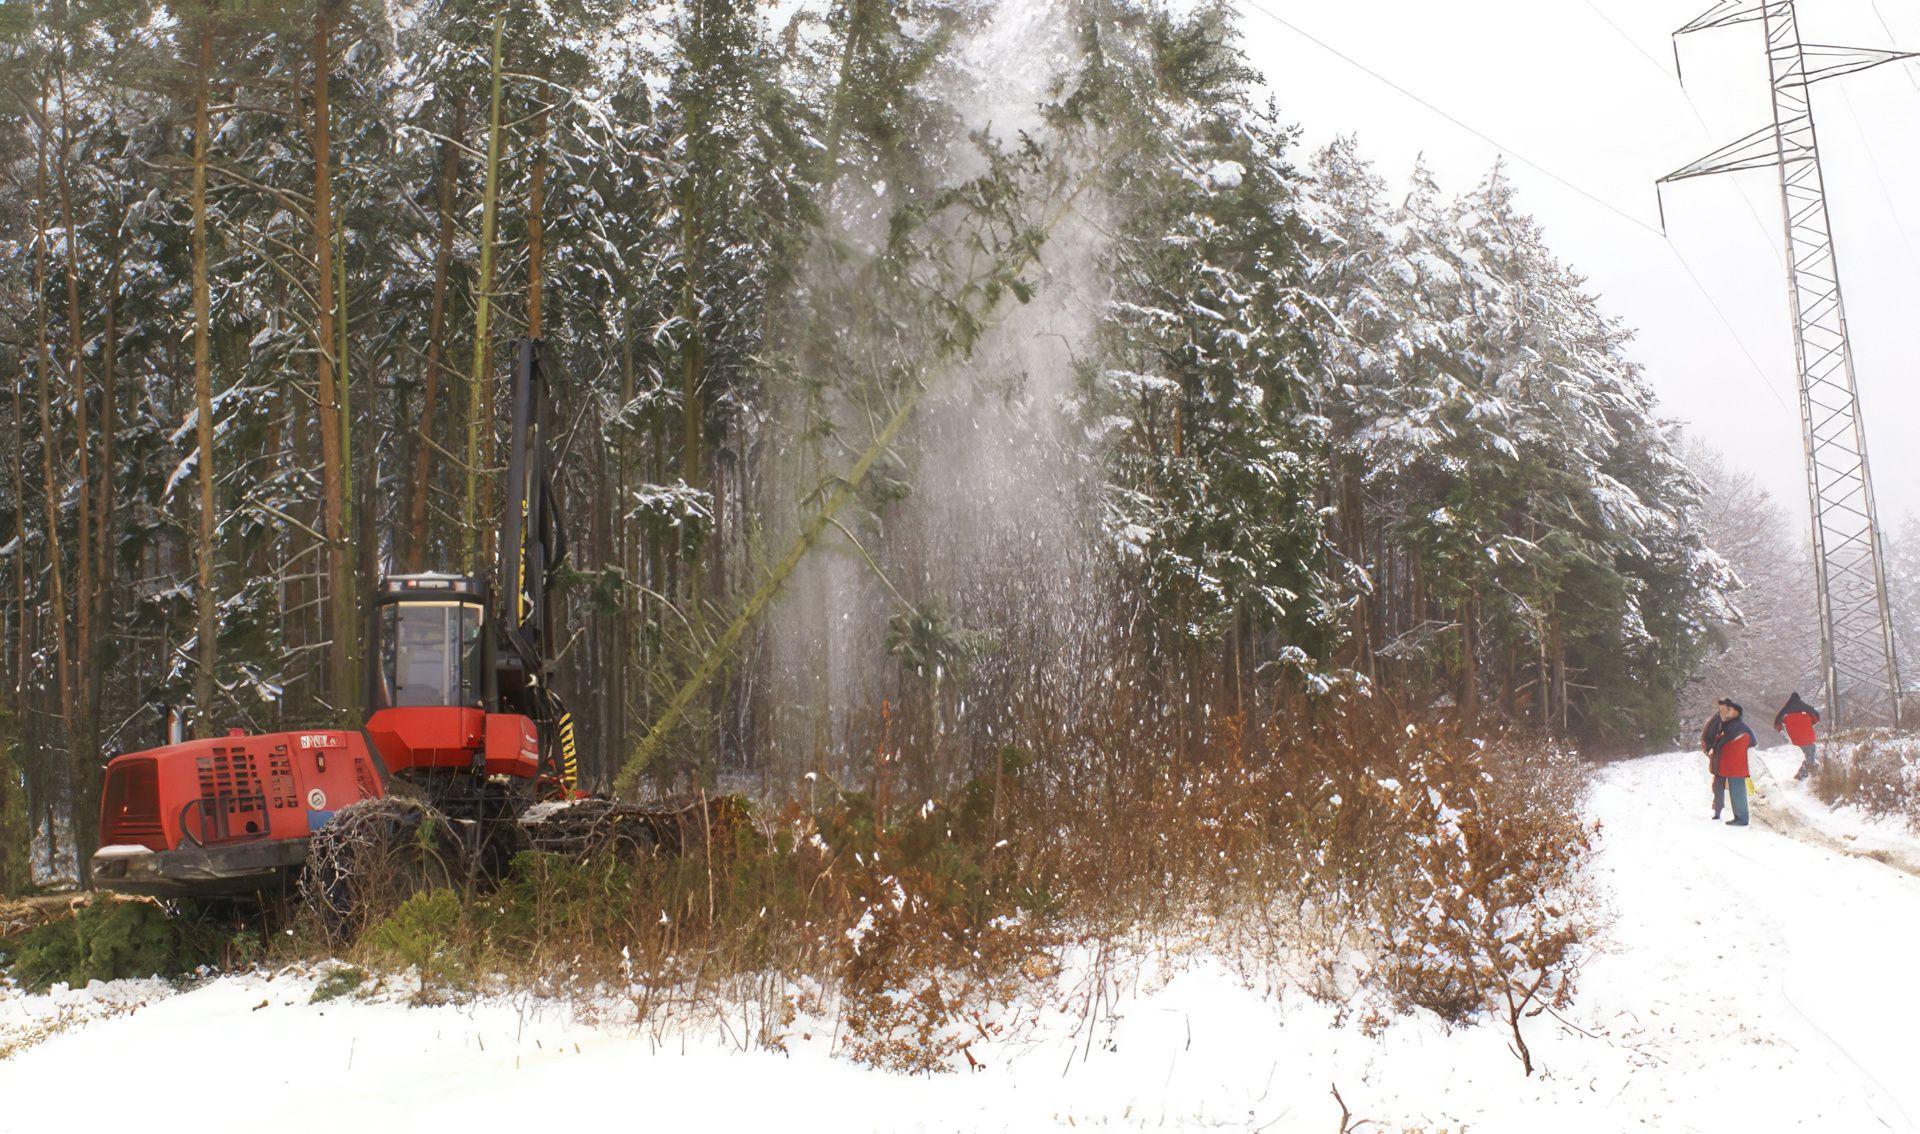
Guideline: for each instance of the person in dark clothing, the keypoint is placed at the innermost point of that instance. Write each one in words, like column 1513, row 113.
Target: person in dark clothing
column 1729, row 754
column 1796, row 718
column 1710, row 731
column 1709, row 740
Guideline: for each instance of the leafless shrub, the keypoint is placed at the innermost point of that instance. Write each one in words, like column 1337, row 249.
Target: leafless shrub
column 1495, row 903
column 1876, row 770
column 1369, row 863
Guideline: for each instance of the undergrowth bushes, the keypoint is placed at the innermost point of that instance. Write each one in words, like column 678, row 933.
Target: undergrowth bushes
column 1380, row 866
column 108, row 939
column 1404, row 867
column 1494, row 907
column 916, row 925
column 1876, row 770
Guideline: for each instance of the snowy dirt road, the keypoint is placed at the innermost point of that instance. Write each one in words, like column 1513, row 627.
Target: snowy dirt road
column 1752, row 980
column 1763, row 967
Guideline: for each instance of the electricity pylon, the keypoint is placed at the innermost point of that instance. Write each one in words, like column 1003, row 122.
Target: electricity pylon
column 1857, row 662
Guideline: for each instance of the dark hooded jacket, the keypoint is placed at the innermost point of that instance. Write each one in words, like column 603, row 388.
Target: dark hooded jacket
column 1796, row 718
column 1709, row 733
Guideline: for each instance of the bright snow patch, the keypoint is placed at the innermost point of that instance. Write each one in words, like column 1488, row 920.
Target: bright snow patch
column 1750, row 981
column 1226, row 175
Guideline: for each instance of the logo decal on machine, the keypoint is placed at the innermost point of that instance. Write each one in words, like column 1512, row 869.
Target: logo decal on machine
column 321, row 740
column 317, row 799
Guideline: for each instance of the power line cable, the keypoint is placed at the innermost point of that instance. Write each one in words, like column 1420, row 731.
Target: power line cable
column 1907, row 68
column 1873, row 161
column 1483, row 136
column 1766, row 235
column 1609, row 206
column 1733, row 333
column 1892, row 39
column 1706, row 128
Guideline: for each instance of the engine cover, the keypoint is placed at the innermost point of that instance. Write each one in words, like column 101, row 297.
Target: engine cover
column 220, row 802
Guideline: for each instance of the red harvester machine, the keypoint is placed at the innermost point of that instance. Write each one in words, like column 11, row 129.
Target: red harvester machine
column 468, row 755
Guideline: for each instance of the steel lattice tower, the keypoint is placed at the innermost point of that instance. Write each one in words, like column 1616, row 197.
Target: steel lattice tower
column 1857, row 663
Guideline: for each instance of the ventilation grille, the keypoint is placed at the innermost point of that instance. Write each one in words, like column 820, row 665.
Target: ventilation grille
column 232, row 805
column 281, row 792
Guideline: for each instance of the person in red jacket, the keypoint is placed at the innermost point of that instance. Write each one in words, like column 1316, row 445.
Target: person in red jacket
column 1730, row 770
column 1796, row 718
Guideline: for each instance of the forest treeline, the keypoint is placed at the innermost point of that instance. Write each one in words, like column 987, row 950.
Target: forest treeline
column 930, row 376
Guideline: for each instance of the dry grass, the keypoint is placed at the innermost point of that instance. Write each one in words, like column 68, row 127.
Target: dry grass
column 1876, row 770
column 1370, row 863
column 1333, row 848
column 17, row 915
column 19, row 1034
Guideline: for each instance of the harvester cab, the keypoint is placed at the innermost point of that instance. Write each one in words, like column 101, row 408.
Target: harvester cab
column 464, row 724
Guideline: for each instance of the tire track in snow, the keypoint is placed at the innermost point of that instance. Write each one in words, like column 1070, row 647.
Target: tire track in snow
column 1834, row 1046
column 1789, row 821
column 1809, row 910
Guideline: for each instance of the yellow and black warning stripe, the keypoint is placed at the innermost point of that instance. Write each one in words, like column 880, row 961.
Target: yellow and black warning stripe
column 569, row 753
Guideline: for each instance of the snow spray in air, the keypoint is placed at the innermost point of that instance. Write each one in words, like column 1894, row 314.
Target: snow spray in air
column 978, row 550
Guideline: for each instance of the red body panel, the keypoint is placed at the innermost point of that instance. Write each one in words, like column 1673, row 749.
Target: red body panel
column 448, row 736
column 241, row 789
column 513, row 745
column 234, row 789
column 427, row 736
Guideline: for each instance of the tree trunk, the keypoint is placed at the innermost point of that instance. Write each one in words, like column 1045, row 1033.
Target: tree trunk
column 615, row 740
column 22, row 639
column 692, row 409
column 478, row 404
column 1543, row 688
column 50, row 483
column 348, row 604
column 48, row 441
column 1417, row 589
column 1469, row 661
column 83, row 815
column 421, row 489
column 836, row 117
column 1353, row 526
column 722, row 646
column 106, row 540
column 692, row 354
column 77, row 389
column 536, row 204
column 341, row 624
column 1236, row 651
column 203, row 401
column 1559, row 678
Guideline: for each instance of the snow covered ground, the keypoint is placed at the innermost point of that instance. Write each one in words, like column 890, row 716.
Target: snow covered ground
column 1752, row 980
column 1848, row 828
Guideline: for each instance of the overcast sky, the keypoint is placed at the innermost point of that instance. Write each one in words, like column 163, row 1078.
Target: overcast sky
column 1587, row 90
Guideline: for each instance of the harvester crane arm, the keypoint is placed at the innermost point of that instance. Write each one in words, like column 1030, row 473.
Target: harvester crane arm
column 532, row 541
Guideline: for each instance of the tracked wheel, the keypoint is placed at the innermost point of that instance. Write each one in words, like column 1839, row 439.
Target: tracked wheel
column 374, row 855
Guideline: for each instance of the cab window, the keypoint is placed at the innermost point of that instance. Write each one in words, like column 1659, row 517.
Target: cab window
column 430, row 654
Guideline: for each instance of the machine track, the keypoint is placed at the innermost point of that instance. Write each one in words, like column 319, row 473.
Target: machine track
column 374, row 855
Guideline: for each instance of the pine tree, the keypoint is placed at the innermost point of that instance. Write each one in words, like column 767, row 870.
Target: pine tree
column 1217, row 467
